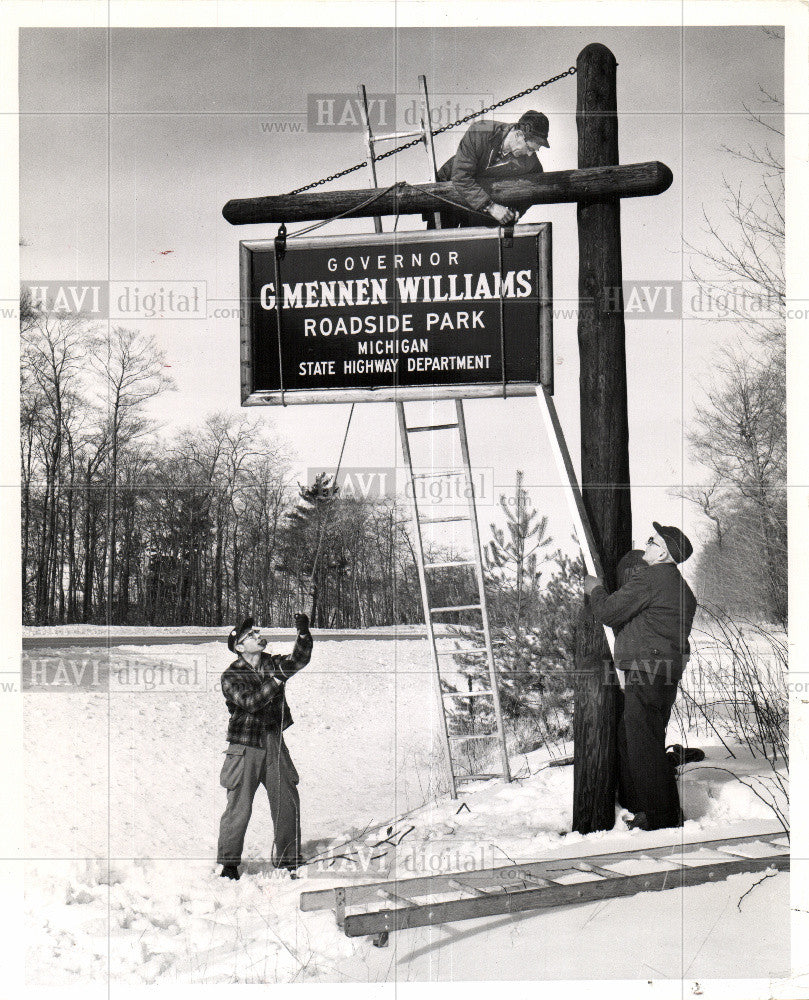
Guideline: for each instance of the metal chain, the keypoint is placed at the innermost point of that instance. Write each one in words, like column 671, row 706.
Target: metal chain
column 444, row 128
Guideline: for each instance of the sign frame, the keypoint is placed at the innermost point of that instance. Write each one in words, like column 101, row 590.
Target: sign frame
column 250, row 396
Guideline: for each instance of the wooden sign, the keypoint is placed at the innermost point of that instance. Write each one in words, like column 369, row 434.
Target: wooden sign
column 432, row 314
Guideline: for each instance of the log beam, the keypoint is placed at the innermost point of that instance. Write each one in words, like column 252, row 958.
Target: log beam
column 628, row 180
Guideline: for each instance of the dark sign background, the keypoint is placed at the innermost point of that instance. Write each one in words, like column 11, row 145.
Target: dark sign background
column 439, row 323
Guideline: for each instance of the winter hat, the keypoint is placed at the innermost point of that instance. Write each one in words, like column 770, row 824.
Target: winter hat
column 678, row 544
column 237, row 634
column 535, row 125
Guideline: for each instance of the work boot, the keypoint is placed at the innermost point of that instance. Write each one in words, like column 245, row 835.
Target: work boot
column 230, row 871
column 638, row 822
column 678, row 755
column 293, row 869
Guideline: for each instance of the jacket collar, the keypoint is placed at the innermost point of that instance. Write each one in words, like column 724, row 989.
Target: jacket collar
column 242, row 664
column 665, row 566
column 499, row 133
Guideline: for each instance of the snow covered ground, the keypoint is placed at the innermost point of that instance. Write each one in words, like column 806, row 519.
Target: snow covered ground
column 123, row 819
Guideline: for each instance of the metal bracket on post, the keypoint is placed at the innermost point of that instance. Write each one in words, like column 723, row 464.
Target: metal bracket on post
column 281, row 242
column 340, row 906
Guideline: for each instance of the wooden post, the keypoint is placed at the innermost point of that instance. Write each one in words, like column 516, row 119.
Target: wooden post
column 604, row 437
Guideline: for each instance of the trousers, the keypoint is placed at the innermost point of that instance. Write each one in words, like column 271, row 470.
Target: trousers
column 244, row 769
column 647, row 782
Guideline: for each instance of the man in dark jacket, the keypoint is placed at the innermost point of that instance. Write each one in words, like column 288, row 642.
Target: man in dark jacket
column 253, row 686
column 491, row 151
column 651, row 614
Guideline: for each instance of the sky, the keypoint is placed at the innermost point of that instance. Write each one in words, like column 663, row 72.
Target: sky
column 178, row 121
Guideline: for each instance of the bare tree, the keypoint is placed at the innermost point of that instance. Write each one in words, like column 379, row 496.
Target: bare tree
column 121, row 524
column 131, row 370
column 52, row 352
column 739, row 434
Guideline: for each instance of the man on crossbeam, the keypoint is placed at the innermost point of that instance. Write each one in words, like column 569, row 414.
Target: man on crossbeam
column 491, row 151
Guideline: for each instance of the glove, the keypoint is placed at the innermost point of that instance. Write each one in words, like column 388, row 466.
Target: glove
column 302, row 623
column 504, row 215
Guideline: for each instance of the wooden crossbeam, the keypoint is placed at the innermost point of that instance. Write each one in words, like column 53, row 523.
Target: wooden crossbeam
column 626, row 180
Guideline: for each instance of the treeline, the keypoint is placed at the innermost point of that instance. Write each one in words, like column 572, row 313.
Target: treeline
column 123, row 526
column 739, row 434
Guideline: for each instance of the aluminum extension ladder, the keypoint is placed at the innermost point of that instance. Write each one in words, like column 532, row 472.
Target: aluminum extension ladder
column 450, row 740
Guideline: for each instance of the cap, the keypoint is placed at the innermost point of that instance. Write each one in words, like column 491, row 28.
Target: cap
column 535, row 125
column 237, row 634
column 678, row 544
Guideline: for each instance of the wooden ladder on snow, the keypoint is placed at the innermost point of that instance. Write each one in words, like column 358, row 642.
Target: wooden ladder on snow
column 399, row 904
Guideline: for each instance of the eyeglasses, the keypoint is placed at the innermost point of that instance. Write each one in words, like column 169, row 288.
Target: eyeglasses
column 651, row 540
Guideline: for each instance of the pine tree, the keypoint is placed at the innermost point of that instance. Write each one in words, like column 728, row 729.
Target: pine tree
column 513, row 561
column 306, row 545
column 531, row 613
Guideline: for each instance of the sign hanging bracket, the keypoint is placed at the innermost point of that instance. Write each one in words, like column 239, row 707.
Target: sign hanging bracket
column 278, row 256
column 281, row 242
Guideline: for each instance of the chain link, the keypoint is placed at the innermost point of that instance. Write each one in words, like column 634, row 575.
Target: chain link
column 444, row 128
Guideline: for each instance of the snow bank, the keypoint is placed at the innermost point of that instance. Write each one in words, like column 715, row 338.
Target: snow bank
column 135, row 780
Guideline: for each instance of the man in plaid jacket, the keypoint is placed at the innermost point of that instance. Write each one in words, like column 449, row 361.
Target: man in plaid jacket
column 253, row 686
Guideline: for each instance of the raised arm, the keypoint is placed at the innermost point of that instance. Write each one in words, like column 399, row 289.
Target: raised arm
column 281, row 668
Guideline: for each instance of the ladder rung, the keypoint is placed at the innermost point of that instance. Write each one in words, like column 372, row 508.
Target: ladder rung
column 469, row 694
column 443, row 565
column 391, row 136
column 476, row 777
column 430, row 427
column 395, row 898
column 585, row 866
column 474, row 736
column 439, row 475
column 537, row 880
column 458, row 607
column 464, row 887
column 443, row 518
